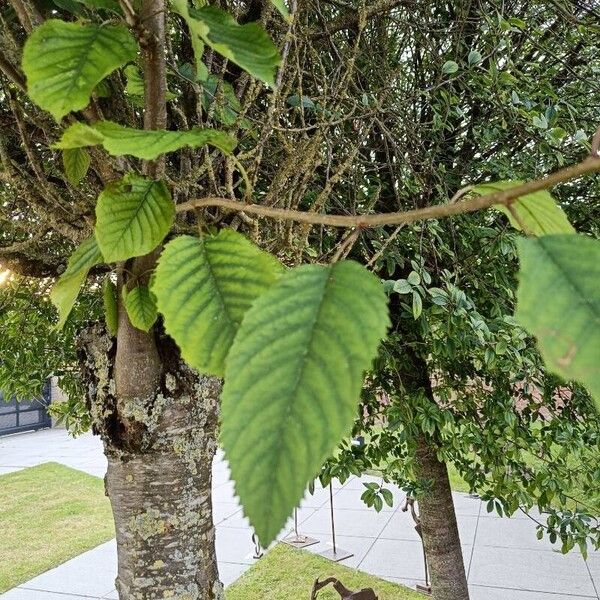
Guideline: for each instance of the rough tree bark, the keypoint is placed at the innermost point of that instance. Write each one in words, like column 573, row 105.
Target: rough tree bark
column 436, row 507
column 439, row 527
column 160, row 450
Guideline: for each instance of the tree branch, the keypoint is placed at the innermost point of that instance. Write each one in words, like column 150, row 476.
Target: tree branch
column 352, row 19
column 505, row 197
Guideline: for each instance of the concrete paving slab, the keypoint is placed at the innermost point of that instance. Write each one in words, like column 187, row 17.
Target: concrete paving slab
column 27, row 594
column 231, row 572
column 478, row 592
column 361, row 523
column 532, row 570
column 358, row 546
column 401, row 559
column 90, row 574
column 512, row 533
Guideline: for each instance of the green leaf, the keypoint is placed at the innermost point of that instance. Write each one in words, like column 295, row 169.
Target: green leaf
column 248, row 46
column 449, row 67
column 135, row 83
column 204, row 286
column 66, row 289
column 119, row 140
column 282, row 8
column 76, row 162
column 474, row 57
column 140, row 304
column 293, row 379
column 64, row 62
column 111, row 311
column 417, row 305
column 558, row 301
column 133, row 215
column 538, row 212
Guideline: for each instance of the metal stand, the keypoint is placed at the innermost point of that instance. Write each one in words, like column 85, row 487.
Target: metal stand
column 410, row 503
column 297, row 540
column 335, row 554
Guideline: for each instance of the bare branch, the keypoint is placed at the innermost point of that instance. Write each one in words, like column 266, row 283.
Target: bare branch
column 505, row 197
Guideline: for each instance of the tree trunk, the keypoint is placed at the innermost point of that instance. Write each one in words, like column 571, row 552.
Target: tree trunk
column 161, row 503
column 439, row 527
column 160, row 450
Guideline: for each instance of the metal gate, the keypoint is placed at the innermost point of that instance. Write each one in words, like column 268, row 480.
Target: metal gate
column 26, row 415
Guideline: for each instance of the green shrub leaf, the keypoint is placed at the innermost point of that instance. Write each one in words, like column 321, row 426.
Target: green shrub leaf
column 293, row 380
column 119, row 140
column 64, row 62
column 133, row 215
column 247, row 45
column 76, row 162
column 204, row 286
column 558, row 302
column 140, row 304
column 66, row 289
column 538, row 212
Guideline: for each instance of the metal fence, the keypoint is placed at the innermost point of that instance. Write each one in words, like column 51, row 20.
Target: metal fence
column 25, row 415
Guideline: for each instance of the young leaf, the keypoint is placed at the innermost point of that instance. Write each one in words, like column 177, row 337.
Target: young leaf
column 64, row 62
column 247, row 45
column 140, row 304
column 65, row 290
column 559, row 303
column 292, row 383
column 133, row 215
column 538, row 212
column 119, row 140
column 204, row 286
column 76, row 162
column 111, row 311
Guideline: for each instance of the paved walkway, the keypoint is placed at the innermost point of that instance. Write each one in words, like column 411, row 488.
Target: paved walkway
column 503, row 558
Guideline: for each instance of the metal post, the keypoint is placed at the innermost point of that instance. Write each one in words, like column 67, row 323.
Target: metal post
column 335, row 554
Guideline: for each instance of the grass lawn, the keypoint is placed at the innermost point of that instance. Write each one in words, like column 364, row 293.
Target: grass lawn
column 49, row 514
column 288, row 573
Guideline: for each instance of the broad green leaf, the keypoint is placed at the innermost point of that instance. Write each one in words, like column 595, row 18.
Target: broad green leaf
column 140, row 304
column 119, row 140
column 449, row 67
column 64, row 62
column 133, row 215
column 539, row 212
column 293, row 379
column 247, row 45
column 76, row 162
column 66, row 289
column 282, row 8
column 204, row 286
column 558, row 301
column 111, row 311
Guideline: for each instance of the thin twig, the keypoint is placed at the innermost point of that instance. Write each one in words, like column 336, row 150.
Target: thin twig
column 504, row 197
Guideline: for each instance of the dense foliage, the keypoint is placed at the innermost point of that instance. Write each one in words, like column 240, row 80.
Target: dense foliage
column 364, row 110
